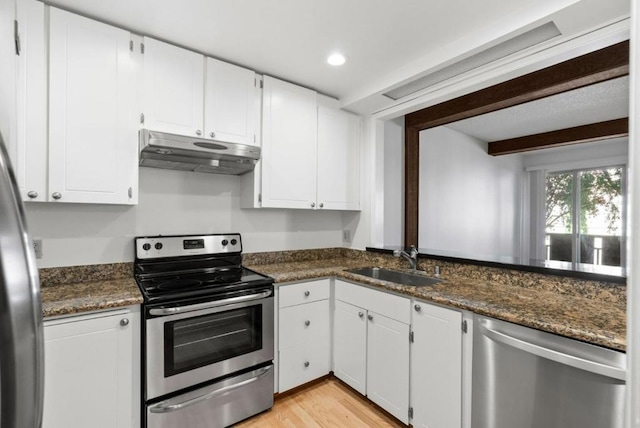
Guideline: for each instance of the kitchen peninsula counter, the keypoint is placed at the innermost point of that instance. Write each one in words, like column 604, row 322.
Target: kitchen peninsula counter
column 589, row 314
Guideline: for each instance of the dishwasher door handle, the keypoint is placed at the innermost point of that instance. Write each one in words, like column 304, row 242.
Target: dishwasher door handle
column 550, row 354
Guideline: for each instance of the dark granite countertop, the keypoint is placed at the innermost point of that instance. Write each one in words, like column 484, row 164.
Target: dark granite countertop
column 77, row 289
column 586, row 317
column 589, row 311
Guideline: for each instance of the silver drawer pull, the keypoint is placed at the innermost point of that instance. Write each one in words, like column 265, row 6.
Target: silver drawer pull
column 360, row 314
column 307, row 323
column 417, row 308
column 168, row 406
column 306, row 294
column 370, row 317
column 306, row 363
column 124, row 322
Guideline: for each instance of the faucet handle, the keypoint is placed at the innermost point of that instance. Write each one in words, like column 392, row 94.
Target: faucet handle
column 414, row 251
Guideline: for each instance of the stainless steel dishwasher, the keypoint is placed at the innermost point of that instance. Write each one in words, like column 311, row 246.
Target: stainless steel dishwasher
column 525, row 378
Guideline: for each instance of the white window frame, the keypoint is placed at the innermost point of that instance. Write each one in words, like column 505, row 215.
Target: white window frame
column 538, row 175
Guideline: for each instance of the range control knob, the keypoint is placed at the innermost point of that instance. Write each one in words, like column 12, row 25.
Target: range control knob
column 146, row 247
column 224, row 242
column 158, row 245
column 234, row 241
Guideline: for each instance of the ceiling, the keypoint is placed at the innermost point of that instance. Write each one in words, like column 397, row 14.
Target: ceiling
column 590, row 104
column 386, row 42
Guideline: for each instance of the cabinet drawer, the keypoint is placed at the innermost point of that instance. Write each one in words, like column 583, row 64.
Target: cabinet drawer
column 306, row 325
column 300, row 365
column 304, row 292
column 389, row 305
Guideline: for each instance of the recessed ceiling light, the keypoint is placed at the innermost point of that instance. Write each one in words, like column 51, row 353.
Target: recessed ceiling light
column 336, row 59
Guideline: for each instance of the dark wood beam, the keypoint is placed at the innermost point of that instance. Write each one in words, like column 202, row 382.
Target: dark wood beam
column 562, row 137
column 595, row 67
column 411, row 185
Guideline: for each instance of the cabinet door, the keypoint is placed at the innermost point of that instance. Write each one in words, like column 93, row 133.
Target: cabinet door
column 388, row 365
column 436, row 368
column 173, row 89
column 289, row 140
column 92, row 128
column 350, row 345
column 338, row 159
column 88, row 373
column 231, row 97
column 30, row 162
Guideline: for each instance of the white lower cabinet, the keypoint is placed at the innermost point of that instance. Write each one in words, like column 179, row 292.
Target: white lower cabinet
column 92, row 370
column 350, row 345
column 371, row 345
column 436, row 367
column 304, row 333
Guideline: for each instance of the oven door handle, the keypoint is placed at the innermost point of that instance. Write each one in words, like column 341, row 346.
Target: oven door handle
column 165, row 407
column 209, row 305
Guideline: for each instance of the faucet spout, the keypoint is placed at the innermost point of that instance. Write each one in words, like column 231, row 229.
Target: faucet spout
column 411, row 256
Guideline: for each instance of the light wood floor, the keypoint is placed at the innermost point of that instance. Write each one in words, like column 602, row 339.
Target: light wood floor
column 326, row 404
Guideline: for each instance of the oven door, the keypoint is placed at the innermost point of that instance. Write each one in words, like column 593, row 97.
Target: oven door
column 193, row 344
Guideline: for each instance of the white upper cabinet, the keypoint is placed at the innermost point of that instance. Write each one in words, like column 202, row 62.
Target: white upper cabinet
column 231, row 103
column 30, row 161
column 289, row 142
column 92, row 123
column 173, row 89
column 338, row 159
column 310, row 152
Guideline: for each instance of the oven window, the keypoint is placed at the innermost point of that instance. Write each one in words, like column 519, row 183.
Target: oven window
column 195, row 342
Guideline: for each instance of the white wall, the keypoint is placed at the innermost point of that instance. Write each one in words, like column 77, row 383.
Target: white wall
column 176, row 202
column 394, row 182
column 470, row 202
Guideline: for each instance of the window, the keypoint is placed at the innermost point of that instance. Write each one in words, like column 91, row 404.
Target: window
column 584, row 221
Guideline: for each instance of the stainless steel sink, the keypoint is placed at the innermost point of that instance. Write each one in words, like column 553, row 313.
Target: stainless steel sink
column 397, row 277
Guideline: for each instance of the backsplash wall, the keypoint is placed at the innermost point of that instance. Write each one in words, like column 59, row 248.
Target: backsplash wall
column 176, row 202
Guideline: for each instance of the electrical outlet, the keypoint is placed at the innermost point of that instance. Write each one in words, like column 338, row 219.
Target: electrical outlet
column 37, row 248
column 346, row 236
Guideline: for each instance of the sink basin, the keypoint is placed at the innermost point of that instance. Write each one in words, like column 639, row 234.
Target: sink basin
column 397, row 277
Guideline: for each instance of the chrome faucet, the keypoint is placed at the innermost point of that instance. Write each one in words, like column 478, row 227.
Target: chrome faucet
column 411, row 256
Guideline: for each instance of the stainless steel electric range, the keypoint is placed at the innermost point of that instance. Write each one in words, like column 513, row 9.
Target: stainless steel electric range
column 208, row 332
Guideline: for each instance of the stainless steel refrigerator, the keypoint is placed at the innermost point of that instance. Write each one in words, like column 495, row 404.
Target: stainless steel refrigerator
column 21, row 334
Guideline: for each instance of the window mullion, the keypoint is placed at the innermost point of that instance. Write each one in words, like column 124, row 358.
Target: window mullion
column 575, row 221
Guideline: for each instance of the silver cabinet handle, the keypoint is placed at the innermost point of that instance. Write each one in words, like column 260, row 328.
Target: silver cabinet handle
column 360, row 314
column 417, row 308
column 370, row 317
column 212, row 134
column 56, row 195
column 307, row 323
column 209, row 305
column 198, row 132
column 306, row 363
column 321, row 205
column 168, row 406
column 306, row 294
column 124, row 322
column 32, row 194
column 313, row 204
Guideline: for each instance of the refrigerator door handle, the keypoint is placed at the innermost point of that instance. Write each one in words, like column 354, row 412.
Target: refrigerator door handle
column 21, row 329
column 550, row 354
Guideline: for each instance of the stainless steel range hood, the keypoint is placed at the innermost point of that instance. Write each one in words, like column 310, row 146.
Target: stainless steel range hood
column 169, row 151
